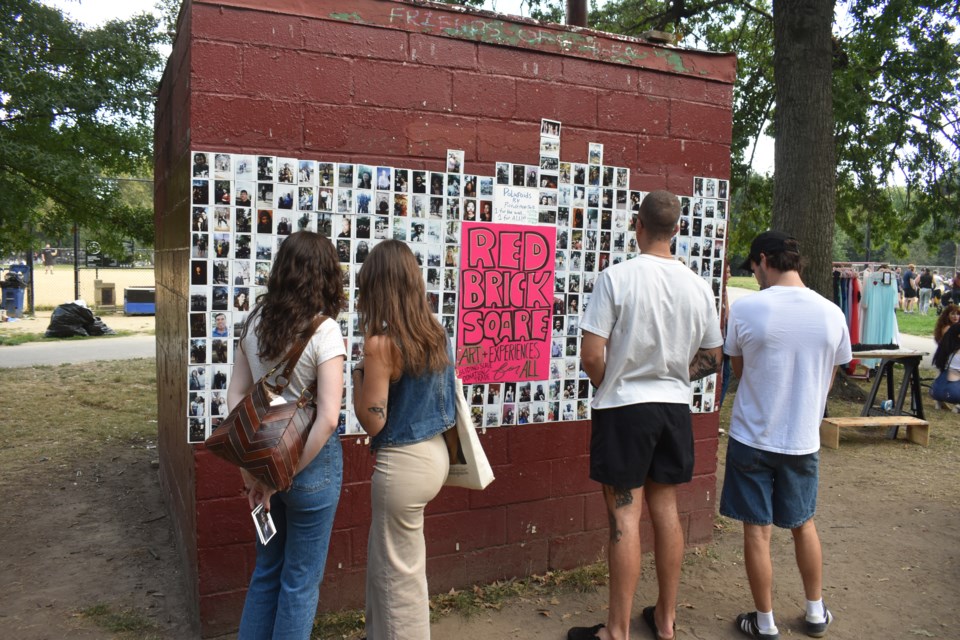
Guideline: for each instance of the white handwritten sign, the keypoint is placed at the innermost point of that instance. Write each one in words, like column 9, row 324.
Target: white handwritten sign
column 515, row 204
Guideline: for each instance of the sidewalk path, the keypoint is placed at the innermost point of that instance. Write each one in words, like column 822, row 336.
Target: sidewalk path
column 32, row 354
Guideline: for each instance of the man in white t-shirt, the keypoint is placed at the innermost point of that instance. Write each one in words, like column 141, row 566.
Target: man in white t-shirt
column 650, row 328
column 785, row 344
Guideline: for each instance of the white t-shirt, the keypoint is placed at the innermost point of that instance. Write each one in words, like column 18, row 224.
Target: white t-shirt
column 325, row 344
column 655, row 314
column 790, row 339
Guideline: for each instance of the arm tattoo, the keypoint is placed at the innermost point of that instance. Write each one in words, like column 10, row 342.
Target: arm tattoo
column 704, row 363
column 379, row 410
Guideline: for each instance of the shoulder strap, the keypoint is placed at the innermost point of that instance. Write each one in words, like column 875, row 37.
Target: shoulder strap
column 293, row 356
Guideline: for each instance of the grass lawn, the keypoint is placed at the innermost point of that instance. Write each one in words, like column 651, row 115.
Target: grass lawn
column 744, row 282
column 915, row 324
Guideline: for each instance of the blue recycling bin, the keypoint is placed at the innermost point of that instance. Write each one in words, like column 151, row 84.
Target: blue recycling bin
column 13, row 301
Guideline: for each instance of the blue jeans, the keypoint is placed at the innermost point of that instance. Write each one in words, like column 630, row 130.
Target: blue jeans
column 761, row 487
column 282, row 599
column 943, row 390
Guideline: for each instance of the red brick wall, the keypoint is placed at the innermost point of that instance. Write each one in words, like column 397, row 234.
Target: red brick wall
column 399, row 83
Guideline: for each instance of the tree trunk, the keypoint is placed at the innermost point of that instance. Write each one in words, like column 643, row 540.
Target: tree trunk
column 804, row 193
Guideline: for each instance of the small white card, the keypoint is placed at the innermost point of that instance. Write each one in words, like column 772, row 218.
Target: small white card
column 263, row 522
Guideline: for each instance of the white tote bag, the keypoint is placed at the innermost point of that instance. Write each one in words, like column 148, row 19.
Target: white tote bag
column 471, row 470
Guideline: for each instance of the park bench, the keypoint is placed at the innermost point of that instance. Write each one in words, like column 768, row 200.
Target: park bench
column 918, row 431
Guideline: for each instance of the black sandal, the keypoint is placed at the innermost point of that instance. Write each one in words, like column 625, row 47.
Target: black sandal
column 585, row 633
column 652, row 623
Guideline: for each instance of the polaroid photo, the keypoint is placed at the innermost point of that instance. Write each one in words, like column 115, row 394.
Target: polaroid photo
column 533, row 176
column 325, row 174
column 345, row 175
column 265, row 168
column 221, row 192
column 485, row 186
column 222, row 245
column 201, row 192
column 201, row 165
column 286, row 170
column 221, row 218
column 305, row 199
column 284, row 196
column 549, row 128
column 455, row 160
column 594, row 153
column 219, row 298
column 550, row 147
column 244, row 168
column 244, row 220
column 503, row 173
column 698, row 187
column 263, row 522
column 265, row 195
column 197, row 431
column 401, row 180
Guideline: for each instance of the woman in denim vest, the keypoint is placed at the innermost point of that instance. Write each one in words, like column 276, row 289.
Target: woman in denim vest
column 305, row 282
column 403, row 396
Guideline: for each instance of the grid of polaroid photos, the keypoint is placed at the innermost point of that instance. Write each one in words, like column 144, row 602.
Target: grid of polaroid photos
column 701, row 244
column 244, row 206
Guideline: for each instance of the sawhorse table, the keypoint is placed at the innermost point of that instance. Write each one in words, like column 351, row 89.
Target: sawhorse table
column 910, row 361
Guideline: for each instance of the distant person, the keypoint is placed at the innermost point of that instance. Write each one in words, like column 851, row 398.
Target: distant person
column 946, row 388
column 49, row 255
column 948, row 318
column 925, row 288
column 910, row 292
column 773, row 458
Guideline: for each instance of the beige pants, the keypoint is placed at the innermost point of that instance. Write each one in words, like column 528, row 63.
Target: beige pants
column 405, row 479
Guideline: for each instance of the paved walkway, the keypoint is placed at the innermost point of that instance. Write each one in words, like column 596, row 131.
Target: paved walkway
column 31, row 354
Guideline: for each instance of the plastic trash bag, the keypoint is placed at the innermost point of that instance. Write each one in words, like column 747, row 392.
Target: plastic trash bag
column 72, row 319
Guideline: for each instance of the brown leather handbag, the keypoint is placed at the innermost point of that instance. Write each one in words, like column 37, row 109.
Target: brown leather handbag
column 264, row 433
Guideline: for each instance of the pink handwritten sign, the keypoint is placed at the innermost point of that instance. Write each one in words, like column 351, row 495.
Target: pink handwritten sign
column 506, row 302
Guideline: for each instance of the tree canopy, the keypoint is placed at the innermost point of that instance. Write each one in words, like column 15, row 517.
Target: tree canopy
column 76, row 109
column 896, row 66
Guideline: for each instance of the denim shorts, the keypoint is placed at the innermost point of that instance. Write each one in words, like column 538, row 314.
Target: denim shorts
column 762, row 487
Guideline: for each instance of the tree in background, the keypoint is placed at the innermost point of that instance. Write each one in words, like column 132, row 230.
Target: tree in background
column 76, row 105
column 892, row 67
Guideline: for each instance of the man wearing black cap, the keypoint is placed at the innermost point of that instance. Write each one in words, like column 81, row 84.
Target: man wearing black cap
column 785, row 344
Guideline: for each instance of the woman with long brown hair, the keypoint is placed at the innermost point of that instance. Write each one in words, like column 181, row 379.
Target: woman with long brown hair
column 403, row 395
column 948, row 317
column 304, row 285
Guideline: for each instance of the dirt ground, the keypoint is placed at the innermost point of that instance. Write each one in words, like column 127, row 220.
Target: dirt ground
column 93, row 531
column 58, row 287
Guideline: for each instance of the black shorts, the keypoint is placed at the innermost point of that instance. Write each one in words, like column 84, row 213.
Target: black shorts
column 635, row 442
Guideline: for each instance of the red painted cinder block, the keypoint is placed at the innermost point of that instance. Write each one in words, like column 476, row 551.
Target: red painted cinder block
column 605, row 76
column 696, row 121
column 504, row 61
column 343, row 590
column 699, row 526
column 285, row 74
column 216, row 68
column 515, row 483
column 245, row 122
column 655, row 154
column 704, row 158
column 449, row 500
column 699, row 493
column 354, row 130
column 354, row 506
column 544, row 519
column 215, row 477
column 357, row 459
column 671, row 85
column 531, row 442
column 354, row 40
column 340, row 551
column 705, row 456
column 358, row 542
column 402, row 86
column 630, row 112
column 484, row 95
column 705, row 425
column 447, row 572
column 496, row 442
column 507, row 561
column 576, row 549
column 719, row 94
column 431, row 134
column 595, row 511
column 499, row 141
column 442, row 52
column 220, row 612
column 215, row 22
column 651, row 182
column 459, row 532
column 222, row 522
column 571, row 476
column 576, row 106
column 619, row 149
column 222, row 569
